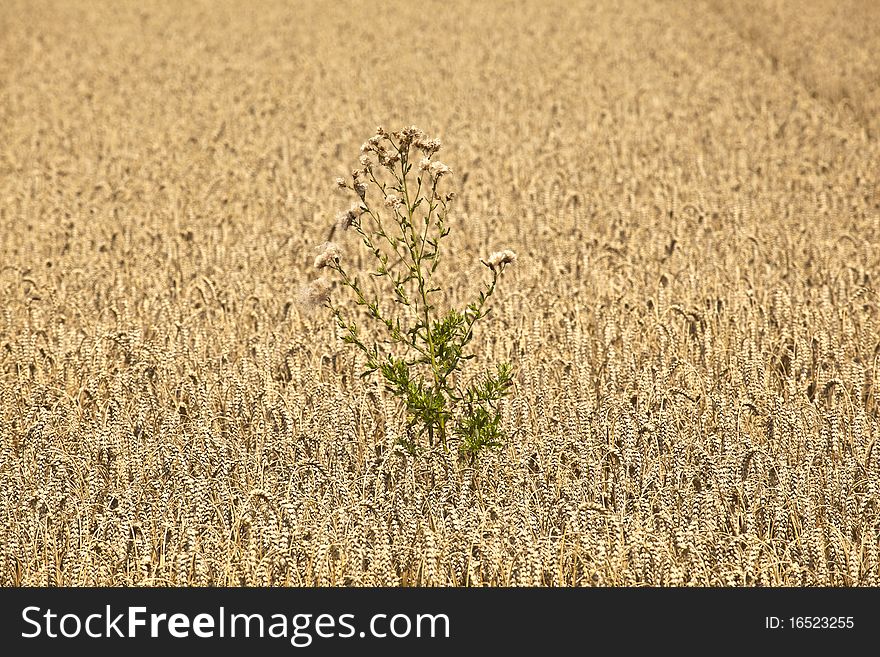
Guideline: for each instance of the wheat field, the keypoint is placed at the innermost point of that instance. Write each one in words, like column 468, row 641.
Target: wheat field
column 692, row 189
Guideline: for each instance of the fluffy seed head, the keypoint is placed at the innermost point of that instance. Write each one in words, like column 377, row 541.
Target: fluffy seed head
column 427, row 146
column 387, row 158
column 371, row 144
column 408, row 135
column 345, row 219
column 393, row 201
column 327, row 255
column 315, row 293
column 437, row 169
column 501, row 258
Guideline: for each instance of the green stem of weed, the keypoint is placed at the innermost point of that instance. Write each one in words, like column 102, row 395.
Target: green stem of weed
column 423, row 295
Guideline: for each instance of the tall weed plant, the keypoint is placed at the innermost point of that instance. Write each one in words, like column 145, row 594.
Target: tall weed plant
column 401, row 216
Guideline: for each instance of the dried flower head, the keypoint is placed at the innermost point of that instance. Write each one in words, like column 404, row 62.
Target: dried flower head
column 387, row 158
column 407, row 136
column 315, row 293
column 361, row 189
column 437, row 169
column 328, row 255
column 500, row 258
column 424, row 164
column 427, row 146
column 347, row 218
column 340, row 183
column 393, row 201
column 371, row 144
